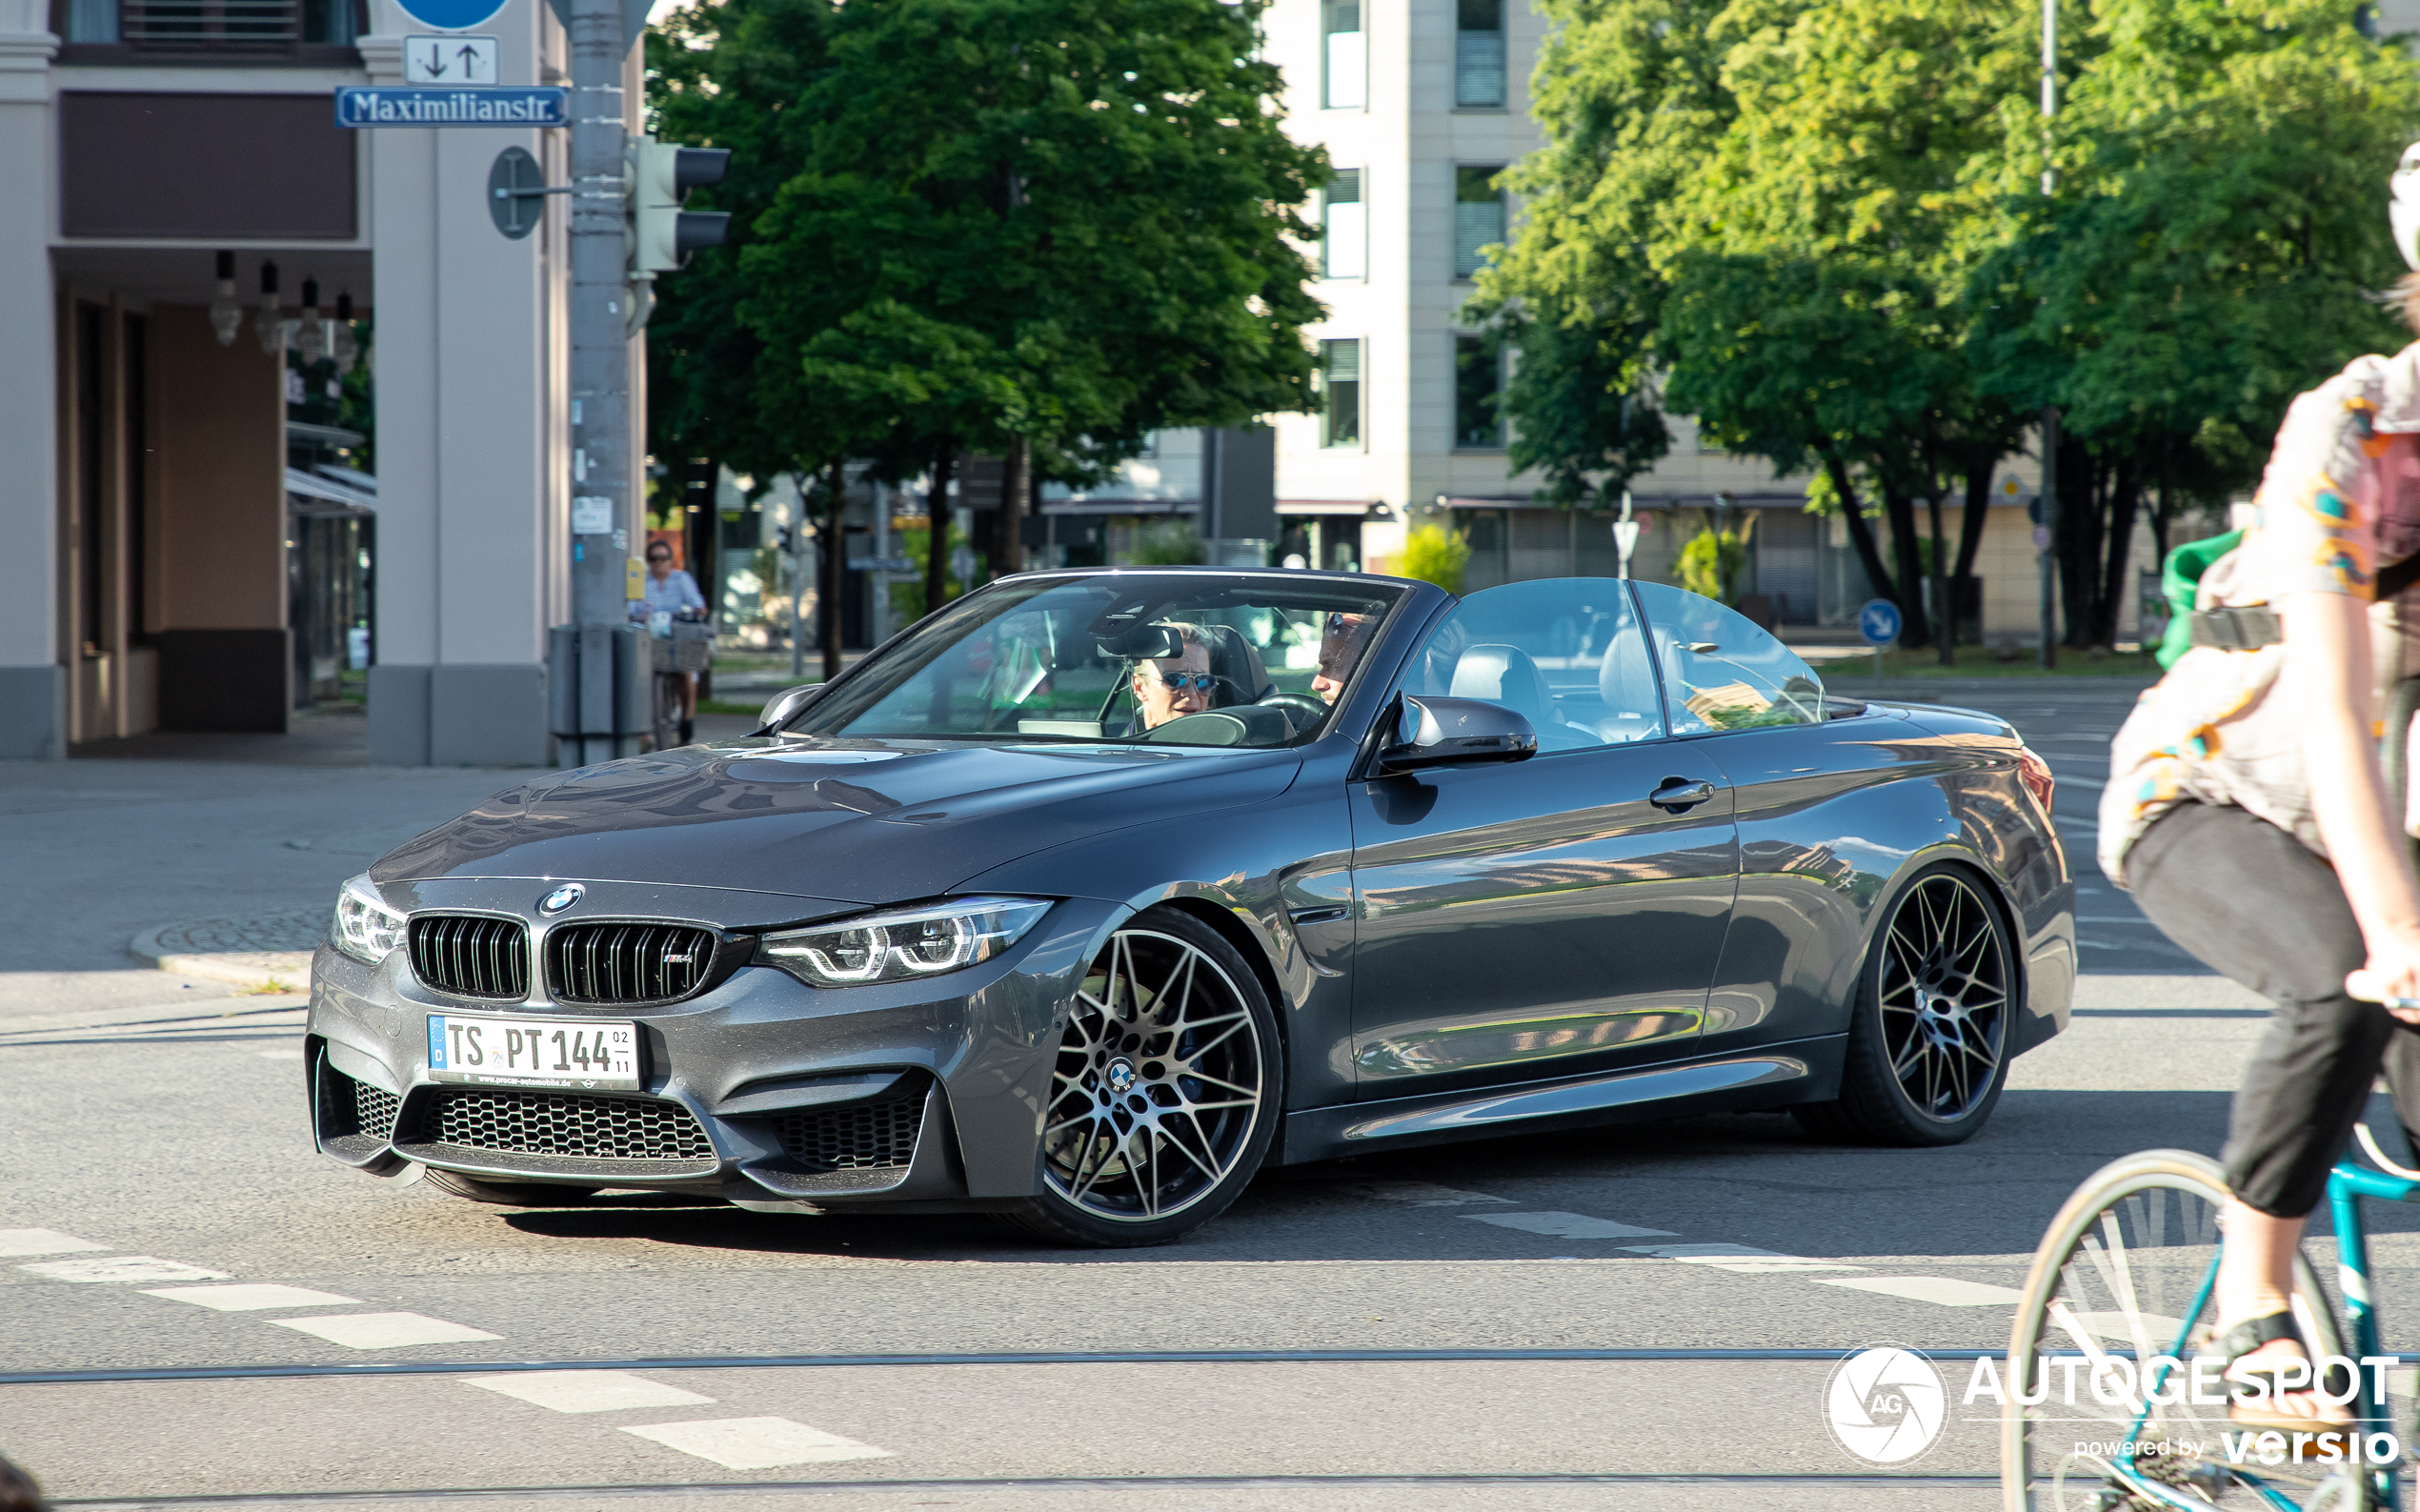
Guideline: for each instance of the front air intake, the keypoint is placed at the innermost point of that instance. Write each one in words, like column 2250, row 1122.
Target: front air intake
column 627, row 963
column 471, row 956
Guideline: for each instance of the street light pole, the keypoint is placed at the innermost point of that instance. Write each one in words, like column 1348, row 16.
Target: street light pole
column 599, row 373
column 2046, row 556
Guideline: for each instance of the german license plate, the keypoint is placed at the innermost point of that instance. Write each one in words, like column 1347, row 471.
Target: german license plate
column 535, row 1052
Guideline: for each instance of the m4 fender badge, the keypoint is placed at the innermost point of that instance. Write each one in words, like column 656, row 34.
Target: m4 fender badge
column 561, row 898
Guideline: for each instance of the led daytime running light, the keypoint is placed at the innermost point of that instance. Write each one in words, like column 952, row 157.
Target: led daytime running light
column 903, row 945
column 366, row 929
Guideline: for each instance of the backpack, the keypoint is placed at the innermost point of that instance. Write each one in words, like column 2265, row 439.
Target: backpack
column 2179, row 577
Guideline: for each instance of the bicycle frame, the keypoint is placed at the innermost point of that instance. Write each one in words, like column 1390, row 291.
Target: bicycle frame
column 2347, row 1185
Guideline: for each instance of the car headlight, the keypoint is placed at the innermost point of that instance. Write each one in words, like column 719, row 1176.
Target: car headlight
column 902, row 945
column 366, row 928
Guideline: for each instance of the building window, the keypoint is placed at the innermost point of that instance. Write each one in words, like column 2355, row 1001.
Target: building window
column 1479, row 218
column 1344, row 227
column 1479, row 55
column 92, row 21
column 1478, row 379
column 1346, row 57
column 1340, row 392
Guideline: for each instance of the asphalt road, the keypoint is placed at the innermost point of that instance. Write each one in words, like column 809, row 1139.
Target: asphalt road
column 151, row 1117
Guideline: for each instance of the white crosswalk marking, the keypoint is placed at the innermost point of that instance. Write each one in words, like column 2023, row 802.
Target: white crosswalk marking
column 758, row 1443
column 1741, row 1259
column 123, row 1268
column 42, row 1241
column 1567, row 1225
column 586, row 1390
column 383, row 1330
column 246, row 1299
column 1946, row 1291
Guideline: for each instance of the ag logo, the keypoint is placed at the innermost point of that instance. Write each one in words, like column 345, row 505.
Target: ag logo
column 1885, row 1405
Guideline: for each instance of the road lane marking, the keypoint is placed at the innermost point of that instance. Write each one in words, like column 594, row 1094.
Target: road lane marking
column 587, row 1390
column 42, row 1241
column 123, row 1268
column 1567, row 1225
column 252, row 1298
column 758, row 1443
column 280, row 1054
column 1744, row 1259
column 1422, row 1194
column 383, row 1330
column 1943, row 1290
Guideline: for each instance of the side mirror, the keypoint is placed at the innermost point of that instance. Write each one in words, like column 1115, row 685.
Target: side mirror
column 1453, row 732
column 785, row 703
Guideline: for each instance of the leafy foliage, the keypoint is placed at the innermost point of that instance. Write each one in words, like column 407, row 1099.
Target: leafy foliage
column 1435, row 554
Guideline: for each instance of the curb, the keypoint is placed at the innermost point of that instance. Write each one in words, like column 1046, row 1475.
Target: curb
column 170, row 948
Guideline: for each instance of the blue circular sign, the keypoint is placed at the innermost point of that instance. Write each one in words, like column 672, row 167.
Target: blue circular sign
column 450, row 16
column 1878, row 621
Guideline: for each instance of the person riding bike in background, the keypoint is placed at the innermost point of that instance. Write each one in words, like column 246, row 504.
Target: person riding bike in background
column 2248, row 814
column 673, row 593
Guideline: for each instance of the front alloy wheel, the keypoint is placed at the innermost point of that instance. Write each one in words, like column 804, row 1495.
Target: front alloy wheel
column 1928, row 1040
column 1162, row 1094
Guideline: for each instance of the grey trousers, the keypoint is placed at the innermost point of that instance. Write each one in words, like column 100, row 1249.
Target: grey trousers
column 2247, row 899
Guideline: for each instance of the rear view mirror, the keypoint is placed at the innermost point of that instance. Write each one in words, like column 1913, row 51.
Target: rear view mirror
column 785, row 703
column 1451, row 732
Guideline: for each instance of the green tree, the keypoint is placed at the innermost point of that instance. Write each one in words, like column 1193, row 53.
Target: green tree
column 1042, row 228
column 2217, row 224
column 1435, row 554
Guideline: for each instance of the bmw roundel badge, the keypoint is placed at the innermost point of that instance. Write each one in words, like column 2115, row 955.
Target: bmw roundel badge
column 561, row 898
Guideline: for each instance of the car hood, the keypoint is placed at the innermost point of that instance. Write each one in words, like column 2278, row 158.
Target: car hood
column 855, row 820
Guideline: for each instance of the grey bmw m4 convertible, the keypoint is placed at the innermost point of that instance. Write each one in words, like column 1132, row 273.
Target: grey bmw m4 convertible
column 1086, row 897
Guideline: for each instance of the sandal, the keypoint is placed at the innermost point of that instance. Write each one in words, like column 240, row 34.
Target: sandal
column 2251, row 1334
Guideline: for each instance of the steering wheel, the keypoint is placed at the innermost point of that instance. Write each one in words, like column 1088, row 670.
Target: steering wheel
column 1302, row 709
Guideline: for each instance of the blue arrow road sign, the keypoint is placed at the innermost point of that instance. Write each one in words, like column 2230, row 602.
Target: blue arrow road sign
column 1878, row 622
column 450, row 16
column 423, row 105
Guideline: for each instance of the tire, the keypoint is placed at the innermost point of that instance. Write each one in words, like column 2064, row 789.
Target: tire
column 1929, row 1032
column 2125, row 1266
column 507, row 1194
column 1165, row 1094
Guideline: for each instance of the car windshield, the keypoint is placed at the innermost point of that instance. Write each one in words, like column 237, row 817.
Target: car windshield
column 1172, row 658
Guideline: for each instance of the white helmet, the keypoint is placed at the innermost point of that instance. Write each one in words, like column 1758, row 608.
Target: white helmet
column 2404, row 208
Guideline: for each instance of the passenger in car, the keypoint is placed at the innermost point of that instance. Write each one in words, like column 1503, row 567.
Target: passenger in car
column 1341, row 641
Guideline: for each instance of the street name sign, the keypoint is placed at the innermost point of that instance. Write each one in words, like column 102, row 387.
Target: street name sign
column 449, row 60
column 437, row 105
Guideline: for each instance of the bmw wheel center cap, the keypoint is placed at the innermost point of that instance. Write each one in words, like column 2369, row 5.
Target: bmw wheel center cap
column 561, row 898
column 1121, row 1075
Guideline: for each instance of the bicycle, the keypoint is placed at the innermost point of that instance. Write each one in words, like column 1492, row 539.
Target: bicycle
column 2131, row 1259
column 680, row 648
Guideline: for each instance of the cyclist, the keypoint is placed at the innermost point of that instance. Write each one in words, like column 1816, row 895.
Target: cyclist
column 2248, row 814
column 674, row 595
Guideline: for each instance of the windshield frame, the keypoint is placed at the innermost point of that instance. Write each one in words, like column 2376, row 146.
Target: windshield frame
column 863, row 686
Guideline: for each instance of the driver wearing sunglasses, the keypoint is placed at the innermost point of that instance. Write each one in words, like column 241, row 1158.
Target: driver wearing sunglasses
column 1343, row 638
column 1170, row 687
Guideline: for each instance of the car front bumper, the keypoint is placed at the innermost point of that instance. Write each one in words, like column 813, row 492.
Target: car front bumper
column 761, row 1090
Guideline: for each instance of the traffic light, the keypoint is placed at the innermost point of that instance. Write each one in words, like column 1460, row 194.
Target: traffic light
column 661, row 175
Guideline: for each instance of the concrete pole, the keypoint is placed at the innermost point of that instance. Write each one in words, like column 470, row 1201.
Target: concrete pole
column 601, row 364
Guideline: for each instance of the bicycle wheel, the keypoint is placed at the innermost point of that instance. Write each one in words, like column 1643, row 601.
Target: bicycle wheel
column 2124, row 1274
column 666, row 732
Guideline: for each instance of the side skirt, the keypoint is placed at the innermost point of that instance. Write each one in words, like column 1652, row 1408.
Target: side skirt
column 1769, row 1077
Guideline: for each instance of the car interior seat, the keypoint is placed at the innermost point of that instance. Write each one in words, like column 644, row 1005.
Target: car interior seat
column 1626, row 683
column 1237, row 665
column 1504, row 675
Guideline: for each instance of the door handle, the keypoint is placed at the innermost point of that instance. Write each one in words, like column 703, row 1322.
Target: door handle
column 1679, row 794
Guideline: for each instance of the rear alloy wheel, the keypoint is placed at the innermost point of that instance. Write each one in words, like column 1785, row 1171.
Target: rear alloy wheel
column 1929, row 1038
column 1164, row 1095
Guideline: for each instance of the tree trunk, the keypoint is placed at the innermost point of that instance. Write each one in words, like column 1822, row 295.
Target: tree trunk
column 1943, row 607
column 1972, row 520
column 2079, row 542
column 1008, row 551
column 1915, row 629
column 1861, row 530
column 937, row 548
column 835, row 551
column 2124, row 499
